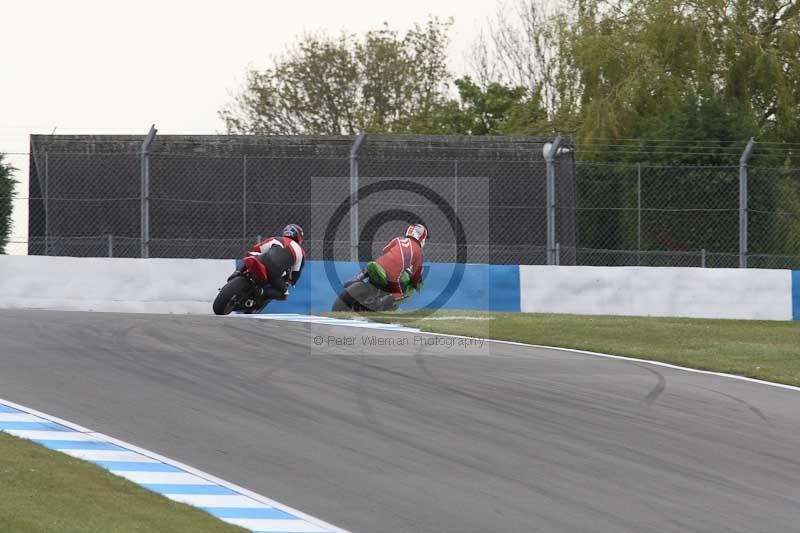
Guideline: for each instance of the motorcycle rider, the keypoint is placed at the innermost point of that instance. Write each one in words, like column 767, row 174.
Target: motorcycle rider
column 398, row 270
column 283, row 259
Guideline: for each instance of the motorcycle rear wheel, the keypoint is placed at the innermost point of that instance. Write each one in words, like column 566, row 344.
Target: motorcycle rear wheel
column 358, row 297
column 232, row 295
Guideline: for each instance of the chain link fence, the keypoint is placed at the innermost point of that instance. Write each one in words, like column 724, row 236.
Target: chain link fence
column 638, row 214
column 484, row 200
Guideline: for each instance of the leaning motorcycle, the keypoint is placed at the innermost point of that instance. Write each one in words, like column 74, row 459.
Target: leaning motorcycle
column 370, row 294
column 242, row 292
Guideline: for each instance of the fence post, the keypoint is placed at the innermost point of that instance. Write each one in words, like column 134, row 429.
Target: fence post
column 110, row 244
column 550, row 155
column 743, row 197
column 145, row 194
column 354, row 150
column 639, row 214
column 703, row 258
column 455, row 205
column 244, row 201
column 46, row 204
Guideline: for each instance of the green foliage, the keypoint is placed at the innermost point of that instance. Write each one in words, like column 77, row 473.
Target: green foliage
column 702, row 69
column 496, row 109
column 328, row 86
column 7, row 183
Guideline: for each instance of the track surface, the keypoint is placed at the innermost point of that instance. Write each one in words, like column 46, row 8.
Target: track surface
column 420, row 439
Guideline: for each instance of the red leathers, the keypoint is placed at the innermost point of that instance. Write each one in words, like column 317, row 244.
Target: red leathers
column 401, row 254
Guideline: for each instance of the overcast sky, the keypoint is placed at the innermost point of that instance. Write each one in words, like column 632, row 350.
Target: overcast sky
column 116, row 67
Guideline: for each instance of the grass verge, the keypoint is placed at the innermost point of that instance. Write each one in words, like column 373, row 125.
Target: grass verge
column 44, row 491
column 760, row 349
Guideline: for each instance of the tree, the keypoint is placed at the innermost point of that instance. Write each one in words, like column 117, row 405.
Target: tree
column 611, row 69
column 526, row 46
column 334, row 86
column 7, row 183
column 496, row 109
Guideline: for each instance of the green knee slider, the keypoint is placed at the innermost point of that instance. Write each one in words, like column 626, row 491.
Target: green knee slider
column 377, row 275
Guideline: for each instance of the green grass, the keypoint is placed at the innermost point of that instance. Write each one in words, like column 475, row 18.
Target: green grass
column 42, row 491
column 760, row 349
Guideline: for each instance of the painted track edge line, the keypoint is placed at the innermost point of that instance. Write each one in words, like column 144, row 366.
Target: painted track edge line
column 190, row 469
column 627, row 358
column 577, row 351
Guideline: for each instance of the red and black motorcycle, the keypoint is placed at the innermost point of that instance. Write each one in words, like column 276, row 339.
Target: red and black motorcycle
column 243, row 291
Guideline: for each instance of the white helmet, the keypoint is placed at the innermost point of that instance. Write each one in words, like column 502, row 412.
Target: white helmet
column 418, row 232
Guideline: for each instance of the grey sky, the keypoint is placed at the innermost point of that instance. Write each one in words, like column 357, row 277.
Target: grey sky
column 116, row 67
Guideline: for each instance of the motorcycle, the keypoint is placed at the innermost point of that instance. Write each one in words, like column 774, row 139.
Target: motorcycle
column 369, row 293
column 242, row 291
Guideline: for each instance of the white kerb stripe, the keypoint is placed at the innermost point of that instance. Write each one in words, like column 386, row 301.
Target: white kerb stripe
column 52, row 435
column 109, row 455
column 284, row 526
column 20, row 417
column 162, row 478
column 213, row 500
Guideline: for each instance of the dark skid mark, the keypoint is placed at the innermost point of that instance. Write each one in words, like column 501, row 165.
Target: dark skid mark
column 653, row 395
column 750, row 406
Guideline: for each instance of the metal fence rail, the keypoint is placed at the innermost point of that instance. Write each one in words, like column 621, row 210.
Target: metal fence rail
column 499, row 200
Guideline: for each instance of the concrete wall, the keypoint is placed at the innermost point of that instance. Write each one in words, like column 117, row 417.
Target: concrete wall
column 100, row 284
column 190, row 286
column 646, row 291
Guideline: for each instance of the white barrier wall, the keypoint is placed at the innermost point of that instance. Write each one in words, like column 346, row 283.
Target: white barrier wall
column 102, row 284
column 189, row 286
column 650, row 291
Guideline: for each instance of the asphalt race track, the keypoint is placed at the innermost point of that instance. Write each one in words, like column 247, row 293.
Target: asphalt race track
column 418, row 437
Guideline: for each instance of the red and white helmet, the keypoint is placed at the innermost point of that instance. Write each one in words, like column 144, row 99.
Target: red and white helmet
column 418, row 232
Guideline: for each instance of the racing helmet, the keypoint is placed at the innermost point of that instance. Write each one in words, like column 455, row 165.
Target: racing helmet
column 418, row 232
column 294, row 231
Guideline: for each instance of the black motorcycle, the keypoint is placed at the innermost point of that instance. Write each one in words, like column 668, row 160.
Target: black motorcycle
column 242, row 293
column 363, row 296
column 368, row 292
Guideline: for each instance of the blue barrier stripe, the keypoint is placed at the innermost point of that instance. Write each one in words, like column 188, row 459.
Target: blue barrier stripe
column 130, row 466
column 188, row 489
column 796, row 294
column 237, row 512
column 7, row 409
column 34, row 426
column 504, row 288
column 79, row 445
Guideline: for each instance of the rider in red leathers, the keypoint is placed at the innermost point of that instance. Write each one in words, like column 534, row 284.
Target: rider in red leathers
column 398, row 270
column 276, row 262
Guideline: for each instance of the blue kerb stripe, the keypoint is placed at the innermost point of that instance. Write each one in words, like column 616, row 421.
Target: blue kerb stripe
column 34, row 426
column 130, row 466
column 796, row 294
column 79, row 445
column 7, row 409
column 188, row 489
column 235, row 512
